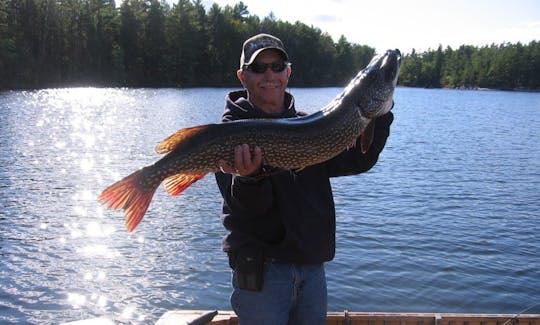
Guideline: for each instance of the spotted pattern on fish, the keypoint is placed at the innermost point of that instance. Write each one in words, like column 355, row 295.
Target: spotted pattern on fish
column 288, row 143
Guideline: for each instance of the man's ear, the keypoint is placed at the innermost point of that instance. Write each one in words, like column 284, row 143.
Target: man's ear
column 241, row 77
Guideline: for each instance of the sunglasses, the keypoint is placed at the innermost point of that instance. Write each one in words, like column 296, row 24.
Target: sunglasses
column 258, row 67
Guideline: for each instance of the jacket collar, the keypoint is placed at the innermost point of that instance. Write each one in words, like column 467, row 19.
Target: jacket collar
column 237, row 102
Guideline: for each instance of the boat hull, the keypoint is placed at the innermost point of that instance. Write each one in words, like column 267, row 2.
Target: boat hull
column 369, row 318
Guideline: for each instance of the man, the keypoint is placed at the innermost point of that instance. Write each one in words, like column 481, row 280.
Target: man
column 282, row 226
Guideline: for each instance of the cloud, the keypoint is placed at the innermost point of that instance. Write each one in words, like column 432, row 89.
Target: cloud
column 326, row 19
column 524, row 31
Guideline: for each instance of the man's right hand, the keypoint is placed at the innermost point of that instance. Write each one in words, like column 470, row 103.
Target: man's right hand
column 245, row 163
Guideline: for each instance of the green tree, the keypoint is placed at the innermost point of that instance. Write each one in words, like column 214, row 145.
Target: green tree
column 155, row 45
column 411, row 69
column 222, row 54
column 344, row 55
column 7, row 45
column 182, row 40
column 101, row 31
column 532, row 74
column 46, row 43
column 201, row 39
column 132, row 13
column 303, row 49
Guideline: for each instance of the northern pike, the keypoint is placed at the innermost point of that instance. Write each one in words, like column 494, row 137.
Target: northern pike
column 286, row 143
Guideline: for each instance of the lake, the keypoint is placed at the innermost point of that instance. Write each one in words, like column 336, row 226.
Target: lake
column 447, row 221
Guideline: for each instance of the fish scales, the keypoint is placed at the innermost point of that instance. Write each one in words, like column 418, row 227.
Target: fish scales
column 282, row 149
column 288, row 143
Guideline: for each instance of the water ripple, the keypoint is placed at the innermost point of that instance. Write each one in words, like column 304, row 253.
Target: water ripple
column 447, row 221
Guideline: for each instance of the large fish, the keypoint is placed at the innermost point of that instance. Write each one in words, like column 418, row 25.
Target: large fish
column 288, row 143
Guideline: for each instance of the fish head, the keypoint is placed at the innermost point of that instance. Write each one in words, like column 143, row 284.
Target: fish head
column 372, row 89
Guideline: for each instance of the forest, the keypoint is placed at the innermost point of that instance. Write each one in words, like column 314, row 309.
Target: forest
column 143, row 43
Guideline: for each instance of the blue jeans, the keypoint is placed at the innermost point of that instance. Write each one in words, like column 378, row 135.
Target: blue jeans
column 291, row 294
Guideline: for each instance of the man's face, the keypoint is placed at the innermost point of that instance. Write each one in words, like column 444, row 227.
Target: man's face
column 266, row 90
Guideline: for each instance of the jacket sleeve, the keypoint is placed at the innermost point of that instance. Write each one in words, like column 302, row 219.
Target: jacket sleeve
column 245, row 195
column 353, row 161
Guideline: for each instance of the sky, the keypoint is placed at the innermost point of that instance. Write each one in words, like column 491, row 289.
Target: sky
column 408, row 24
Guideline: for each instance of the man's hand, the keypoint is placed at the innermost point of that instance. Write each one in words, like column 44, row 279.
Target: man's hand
column 245, row 164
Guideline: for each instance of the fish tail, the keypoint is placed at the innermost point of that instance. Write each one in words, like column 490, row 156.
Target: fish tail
column 128, row 195
column 176, row 184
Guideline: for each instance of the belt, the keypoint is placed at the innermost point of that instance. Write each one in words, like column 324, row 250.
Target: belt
column 232, row 259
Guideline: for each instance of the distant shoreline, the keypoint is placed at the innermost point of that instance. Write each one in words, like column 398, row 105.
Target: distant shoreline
column 234, row 86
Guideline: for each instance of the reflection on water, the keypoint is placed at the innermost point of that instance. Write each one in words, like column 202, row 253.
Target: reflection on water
column 429, row 229
column 74, row 259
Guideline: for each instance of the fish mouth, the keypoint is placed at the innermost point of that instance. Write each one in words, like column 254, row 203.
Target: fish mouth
column 391, row 64
column 381, row 79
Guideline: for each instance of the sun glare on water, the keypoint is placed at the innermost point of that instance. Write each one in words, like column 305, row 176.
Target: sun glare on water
column 81, row 128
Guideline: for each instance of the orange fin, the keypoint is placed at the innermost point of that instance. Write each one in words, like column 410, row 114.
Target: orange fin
column 367, row 136
column 126, row 194
column 175, row 139
column 176, row 184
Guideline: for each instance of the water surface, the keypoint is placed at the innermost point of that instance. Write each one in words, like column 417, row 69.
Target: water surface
column 447, row 221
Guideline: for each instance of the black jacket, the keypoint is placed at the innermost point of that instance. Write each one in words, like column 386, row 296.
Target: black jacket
column 290, row 215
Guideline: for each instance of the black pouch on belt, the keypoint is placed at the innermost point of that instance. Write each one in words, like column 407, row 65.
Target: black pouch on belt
column 249, row 268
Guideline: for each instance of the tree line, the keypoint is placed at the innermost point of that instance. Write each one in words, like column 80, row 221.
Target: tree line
column 504, row 66
column 148, row 43
column 51, row 43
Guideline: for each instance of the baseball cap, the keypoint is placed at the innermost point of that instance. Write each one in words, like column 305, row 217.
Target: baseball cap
column 258, row 43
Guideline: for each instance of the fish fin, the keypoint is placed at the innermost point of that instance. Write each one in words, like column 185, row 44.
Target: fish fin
column 367, row 136
column 176, row 138
column 128, row 195
column 176, row 184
